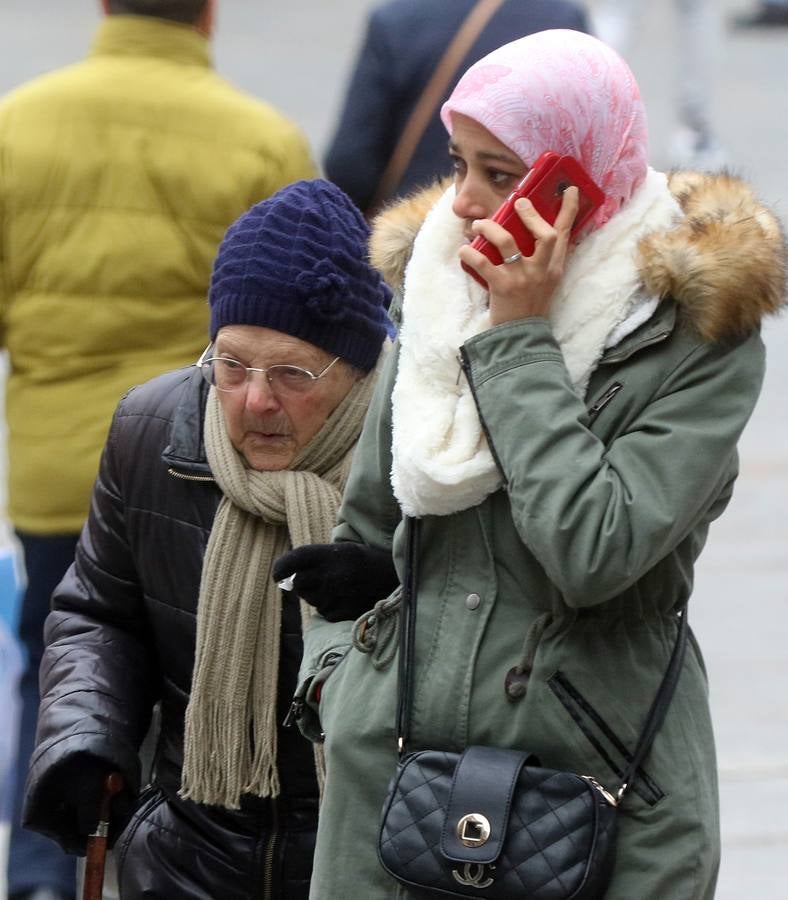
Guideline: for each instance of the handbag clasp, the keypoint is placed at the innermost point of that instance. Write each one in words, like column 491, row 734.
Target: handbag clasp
column 473, row 830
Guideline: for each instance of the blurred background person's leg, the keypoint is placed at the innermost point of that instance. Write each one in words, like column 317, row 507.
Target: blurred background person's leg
column 693, row 143
column 35, row 863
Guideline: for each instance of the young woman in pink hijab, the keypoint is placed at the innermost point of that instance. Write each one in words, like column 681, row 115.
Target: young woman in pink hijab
column 563, row 440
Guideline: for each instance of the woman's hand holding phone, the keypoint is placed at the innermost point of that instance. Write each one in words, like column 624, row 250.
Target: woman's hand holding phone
column 519, row 254
column 525, row 287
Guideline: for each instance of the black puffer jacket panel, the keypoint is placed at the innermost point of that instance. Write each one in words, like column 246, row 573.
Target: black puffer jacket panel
column 121, row 635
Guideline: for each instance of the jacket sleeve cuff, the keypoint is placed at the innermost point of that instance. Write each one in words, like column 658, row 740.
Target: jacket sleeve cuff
column 43, row 809
column 325, row 644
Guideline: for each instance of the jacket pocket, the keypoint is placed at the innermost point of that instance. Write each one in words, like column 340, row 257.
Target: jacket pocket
column 149, row 800
column 606, row 743
column 308, row 701
column 322, row 682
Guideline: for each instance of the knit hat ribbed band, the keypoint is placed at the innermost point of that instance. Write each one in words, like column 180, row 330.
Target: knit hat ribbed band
column 297, row 263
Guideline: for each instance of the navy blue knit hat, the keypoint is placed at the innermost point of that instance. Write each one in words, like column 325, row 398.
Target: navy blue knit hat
column 297, row 263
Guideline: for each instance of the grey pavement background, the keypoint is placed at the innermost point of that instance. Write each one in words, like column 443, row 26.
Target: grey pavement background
column 298, row 57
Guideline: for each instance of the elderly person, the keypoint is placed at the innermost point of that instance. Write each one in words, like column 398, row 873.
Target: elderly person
column 209, row 473
column 560, row 445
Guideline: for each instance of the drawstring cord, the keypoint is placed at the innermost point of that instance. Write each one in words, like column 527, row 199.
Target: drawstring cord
column 376, row 632
column 517, row 677
column 516, row 683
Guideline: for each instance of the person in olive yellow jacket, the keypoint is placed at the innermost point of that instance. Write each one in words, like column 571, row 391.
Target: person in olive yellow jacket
column 118, row 178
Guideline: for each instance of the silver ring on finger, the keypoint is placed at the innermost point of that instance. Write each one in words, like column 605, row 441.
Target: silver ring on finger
column 513, row 258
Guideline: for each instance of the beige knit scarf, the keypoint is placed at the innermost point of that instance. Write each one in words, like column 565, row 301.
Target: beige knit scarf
column 230, row 731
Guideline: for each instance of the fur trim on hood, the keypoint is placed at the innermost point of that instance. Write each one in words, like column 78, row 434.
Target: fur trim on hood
column 724, row 264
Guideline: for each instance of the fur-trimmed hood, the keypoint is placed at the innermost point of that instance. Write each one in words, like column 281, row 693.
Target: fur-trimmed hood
column 724, row 263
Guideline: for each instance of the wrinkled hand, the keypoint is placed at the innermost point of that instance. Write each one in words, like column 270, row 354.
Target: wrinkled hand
column 72, row 794
column 526, row 287
column 342, row 581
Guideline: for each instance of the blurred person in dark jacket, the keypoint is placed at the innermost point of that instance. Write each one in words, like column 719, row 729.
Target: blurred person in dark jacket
column 404, row 41
column 209, row 473
column 118, row 178
column 766, row 14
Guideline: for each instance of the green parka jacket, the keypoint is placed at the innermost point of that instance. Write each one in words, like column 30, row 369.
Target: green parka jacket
column 574, row 568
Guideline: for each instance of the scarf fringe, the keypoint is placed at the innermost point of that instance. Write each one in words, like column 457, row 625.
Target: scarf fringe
column 214, row 774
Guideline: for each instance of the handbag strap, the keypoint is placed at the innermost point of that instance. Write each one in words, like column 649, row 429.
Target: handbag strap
column 407, row 633
column 659, row 707
column 480, row 14
column 656, row 713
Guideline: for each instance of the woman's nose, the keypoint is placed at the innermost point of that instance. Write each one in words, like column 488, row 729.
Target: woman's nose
column 469, row 201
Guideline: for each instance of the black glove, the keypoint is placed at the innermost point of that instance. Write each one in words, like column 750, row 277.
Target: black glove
column 67, row 802
column 341, row 580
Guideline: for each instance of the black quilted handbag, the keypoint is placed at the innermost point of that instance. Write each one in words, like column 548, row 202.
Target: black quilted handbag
column 492, row 823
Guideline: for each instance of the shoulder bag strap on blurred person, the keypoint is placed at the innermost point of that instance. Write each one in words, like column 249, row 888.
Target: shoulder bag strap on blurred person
column 473, row 24
column 483, row 822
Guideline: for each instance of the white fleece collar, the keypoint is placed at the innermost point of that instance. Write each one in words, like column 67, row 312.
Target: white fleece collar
column 441, row 461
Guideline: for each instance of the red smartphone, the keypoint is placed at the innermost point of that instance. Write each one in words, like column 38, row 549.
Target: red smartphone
column 544, row 185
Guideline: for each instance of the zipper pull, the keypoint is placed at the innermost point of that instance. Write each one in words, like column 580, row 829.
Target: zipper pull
column 294, row 713
column 464, row 367
column 297, row 705
column 602, row 402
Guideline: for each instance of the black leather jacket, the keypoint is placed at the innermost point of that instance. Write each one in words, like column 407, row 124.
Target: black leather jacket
column 121, row 635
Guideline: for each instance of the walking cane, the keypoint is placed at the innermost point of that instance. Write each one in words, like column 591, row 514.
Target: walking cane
column 96, row 855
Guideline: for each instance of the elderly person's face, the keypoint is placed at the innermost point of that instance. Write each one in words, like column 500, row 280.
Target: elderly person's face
column 269, row 424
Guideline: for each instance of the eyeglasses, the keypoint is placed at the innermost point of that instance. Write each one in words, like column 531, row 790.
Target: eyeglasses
column 227, row 374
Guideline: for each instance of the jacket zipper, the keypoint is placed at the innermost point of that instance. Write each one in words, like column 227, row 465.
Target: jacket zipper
column 297, row 704
column 268, row 860
column 602, row 402
column 176, row 474
column 613, row 358
column 466, row 368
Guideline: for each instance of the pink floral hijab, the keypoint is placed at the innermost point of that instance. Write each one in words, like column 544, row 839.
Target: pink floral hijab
column 565, row 91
